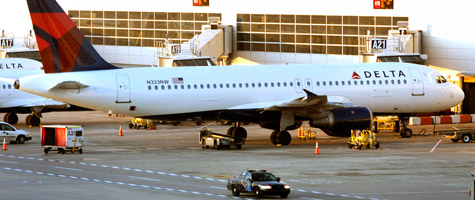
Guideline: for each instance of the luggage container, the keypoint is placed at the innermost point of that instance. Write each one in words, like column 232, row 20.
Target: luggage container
column 61, row 138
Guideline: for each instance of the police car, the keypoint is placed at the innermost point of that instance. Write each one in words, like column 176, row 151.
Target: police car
column 259, row 182
column 12, row 134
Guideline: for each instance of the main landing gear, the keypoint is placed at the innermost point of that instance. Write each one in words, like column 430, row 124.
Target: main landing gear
column 280, row 137
column 237, row 131
column 30, row 120
column 403, row 131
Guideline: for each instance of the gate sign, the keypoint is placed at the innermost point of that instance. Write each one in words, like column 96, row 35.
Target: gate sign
column 378, row 44
column 6, row 42
column 175, row 49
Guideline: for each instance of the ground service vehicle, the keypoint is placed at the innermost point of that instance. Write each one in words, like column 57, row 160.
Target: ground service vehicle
column 465, row 135
column 259, row 182
column 364, row 138
column 210, row 139
column 12, row 134
column 61, row 138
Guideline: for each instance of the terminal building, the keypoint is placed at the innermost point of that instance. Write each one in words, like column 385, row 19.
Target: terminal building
column 434, row 33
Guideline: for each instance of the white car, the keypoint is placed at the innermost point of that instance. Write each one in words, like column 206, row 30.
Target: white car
column 12, row 134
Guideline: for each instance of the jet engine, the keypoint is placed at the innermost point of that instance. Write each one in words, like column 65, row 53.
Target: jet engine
column 339, row 122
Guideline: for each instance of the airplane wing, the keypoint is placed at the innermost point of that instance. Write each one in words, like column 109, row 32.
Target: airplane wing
column 310, row 99
column 35, row 102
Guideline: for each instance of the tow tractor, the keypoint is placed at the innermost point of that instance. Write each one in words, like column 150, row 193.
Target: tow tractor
column 211, row 139
column 364, row 138
column 466, row 135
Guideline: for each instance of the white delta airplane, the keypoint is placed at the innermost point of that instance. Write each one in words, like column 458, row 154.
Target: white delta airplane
column 15, row 101
column 334, row 98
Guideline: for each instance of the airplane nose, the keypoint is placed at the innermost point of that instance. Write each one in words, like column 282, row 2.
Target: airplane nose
column 459, row 95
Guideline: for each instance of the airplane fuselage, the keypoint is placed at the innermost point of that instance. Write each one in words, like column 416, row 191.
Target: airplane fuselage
column 153, row 92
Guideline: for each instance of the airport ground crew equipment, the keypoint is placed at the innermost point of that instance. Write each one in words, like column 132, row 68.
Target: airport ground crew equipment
column 465, row 135
column 219, row 141
column 306, row 133
column 386, row 123
column 364, row 138
column 62, row 138
column 137, row 123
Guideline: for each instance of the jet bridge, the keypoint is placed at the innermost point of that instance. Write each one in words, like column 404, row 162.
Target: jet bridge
column 214, row 42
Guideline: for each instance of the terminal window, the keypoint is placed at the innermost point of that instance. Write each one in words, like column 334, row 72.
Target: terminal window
column 145, row 29
column 315, row 34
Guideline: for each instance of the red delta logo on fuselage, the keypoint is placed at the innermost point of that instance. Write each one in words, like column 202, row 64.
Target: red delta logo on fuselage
column 380, row 74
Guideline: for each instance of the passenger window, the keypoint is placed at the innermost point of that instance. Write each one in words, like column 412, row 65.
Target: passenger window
column 324, row 83
column 4, row 86
column 392, row 82
column 374, row 82
column 272, row 84
column 405, row 81
column 182, row 87
column 330, row 83
column 368, row 82
column 380, row 82
column 253, row 84
column 298, row 83
column 234, row 85
column 149, row 87
column 221, row 85
column 291, row 84
column 308, row 83
column 278, row 84
column 398, row 81
column 202, row 86
column 318, row 83
column 227, row 85
column 258, row 84
column 265, row 84
column 214, row 86
column 240, row 85
column 169, row 87
column 188, row 86
column 362, row 82
column 336, row 83
column 349, row 82
column 9, row 86
column 285, row 84
column 247, row 85
column 176, row 87
column 196, row 86
column 355, row 82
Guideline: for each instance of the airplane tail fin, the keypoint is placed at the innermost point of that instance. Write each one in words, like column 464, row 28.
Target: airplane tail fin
column 63, row 48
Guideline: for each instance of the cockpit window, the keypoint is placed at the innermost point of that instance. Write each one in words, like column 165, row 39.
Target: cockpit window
column 440, row 79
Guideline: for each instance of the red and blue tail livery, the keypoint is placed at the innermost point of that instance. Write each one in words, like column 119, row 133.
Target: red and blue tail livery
column 63, row 48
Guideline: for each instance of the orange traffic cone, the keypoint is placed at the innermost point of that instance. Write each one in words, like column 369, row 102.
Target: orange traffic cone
column 4, row 145
column 316, row 148
column 120, row 130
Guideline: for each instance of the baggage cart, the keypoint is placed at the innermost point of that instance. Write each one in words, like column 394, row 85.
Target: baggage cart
column 62, row 138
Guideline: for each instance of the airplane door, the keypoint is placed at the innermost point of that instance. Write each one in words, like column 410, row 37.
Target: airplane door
column 298, row 85
column 123, row 89
column 308, row 84
column 417, row 83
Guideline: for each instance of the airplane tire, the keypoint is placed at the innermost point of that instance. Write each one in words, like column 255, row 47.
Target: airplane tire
column 33, row 120
column 406, row 133
column 273, row 136
column 11, row 118
column 230, row 131
column 283, row 138
column 239, row 132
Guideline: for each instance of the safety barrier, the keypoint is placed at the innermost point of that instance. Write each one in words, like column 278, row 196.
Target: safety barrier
column 444, row 119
